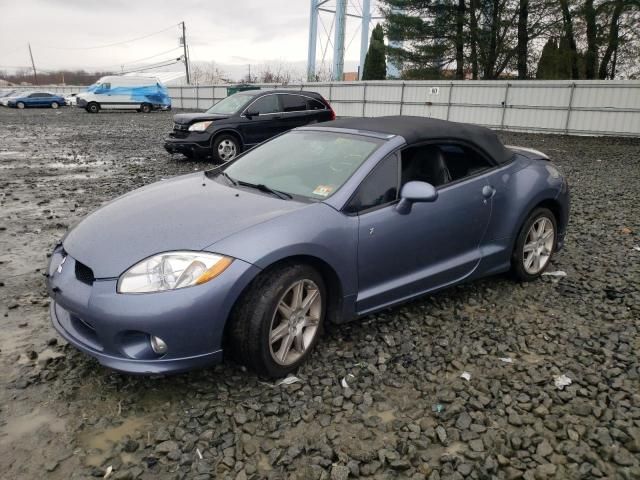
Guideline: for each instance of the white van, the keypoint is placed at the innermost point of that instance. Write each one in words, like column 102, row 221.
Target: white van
column 114, row 92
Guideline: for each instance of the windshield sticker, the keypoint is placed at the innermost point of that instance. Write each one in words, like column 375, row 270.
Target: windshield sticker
column 323, row 190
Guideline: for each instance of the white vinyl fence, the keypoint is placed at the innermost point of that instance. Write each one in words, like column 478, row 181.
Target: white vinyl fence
column 585, row 107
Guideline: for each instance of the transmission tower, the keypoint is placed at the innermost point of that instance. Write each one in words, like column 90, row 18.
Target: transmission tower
column 338, row 11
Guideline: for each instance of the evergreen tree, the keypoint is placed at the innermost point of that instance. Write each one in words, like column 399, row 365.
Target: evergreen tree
column 548, row 63
column 375, row 65
column 429, row 35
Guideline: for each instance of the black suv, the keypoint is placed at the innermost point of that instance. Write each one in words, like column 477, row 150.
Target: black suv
column 243, row 120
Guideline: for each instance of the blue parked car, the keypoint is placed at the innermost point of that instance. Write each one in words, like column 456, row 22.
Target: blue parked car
column 326, row 223
column 37, row 99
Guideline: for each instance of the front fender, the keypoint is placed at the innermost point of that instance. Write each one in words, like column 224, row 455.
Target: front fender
column 316, row 231
column 224, row 129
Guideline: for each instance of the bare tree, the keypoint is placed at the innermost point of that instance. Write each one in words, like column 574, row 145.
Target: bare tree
column 281, row 73
column 207, row 73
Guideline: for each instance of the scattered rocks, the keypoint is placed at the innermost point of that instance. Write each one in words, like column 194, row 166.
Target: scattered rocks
column 405, row 412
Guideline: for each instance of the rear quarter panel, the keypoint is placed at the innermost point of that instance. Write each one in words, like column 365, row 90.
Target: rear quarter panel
column 520, row 187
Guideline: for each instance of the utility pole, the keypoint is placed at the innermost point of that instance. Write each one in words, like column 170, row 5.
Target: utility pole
column 35, row 74
column 186, row 55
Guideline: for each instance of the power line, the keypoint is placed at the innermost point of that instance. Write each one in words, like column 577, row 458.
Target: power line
column 134, row 62
column 112, row 44
column 151, row 67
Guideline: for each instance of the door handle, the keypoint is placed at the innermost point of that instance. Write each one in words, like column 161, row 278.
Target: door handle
column 488, row 191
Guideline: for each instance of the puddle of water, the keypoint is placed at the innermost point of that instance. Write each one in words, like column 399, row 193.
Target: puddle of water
column 386, row 415
column 101, row 443
column 12, row 340
column 29, row 424
column 105, row 439
column 532, row 358
column 48, row 354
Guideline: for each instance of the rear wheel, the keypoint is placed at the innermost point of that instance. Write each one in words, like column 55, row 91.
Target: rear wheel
column 20, row 105
column 278, row 320
column 535, row 245
column 54, row 105
column 225, row 148
column 145, row 108
column 93, row 107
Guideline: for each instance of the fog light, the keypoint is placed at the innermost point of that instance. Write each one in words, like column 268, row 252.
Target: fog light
column 158, row 345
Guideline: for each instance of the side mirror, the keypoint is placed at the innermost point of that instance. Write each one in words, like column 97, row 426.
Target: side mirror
column 415, row 192
column 251, row 113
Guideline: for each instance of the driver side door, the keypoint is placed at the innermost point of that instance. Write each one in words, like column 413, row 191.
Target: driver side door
column 266, row 124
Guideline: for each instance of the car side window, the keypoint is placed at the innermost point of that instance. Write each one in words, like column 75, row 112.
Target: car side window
column 441, row 164
column 293, row 103
column 265, row 105
column 379, row 188
column 35, row 95
column 315, row 104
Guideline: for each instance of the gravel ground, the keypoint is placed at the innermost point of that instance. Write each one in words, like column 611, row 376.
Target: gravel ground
column 403, row 411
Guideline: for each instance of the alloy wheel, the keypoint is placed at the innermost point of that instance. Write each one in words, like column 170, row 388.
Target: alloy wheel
column 295, row 322
column 227, row 150
column 538, row 246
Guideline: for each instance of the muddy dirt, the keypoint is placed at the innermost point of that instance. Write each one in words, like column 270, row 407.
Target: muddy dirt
column 406, row 412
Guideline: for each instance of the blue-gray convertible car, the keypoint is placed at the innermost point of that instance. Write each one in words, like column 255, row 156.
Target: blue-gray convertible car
column 326, row 223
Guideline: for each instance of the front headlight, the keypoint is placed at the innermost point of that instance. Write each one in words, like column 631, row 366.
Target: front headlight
column 172, row 270
column 199, row 127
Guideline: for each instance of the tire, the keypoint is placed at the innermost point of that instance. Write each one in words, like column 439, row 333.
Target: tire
column 257, row 317
column 145, row 108
column 534, row 247
column 54, row 105
column 225, row 148
column 20, row 105
column 93, row 107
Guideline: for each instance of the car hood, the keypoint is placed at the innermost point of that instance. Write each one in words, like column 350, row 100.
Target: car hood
column 188, row 212
column 188, row 118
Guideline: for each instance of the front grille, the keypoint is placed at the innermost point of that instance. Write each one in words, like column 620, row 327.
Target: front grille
column 84, row 273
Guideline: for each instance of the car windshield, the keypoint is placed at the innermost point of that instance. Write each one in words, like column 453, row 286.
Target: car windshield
column 231, row 104
column 309, row 164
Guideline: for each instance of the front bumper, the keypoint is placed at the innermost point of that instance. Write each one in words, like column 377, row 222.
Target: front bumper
column 116, row 328
column 188, row 145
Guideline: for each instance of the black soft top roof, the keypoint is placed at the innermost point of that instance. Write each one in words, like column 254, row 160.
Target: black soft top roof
column 421, row 129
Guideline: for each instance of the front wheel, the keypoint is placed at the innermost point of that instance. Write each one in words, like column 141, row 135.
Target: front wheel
column 93, row 107
column 535, row 245
column 145, row 108
column 225, row 148
column 278, row 321
column 20, row 105
column 54, row 105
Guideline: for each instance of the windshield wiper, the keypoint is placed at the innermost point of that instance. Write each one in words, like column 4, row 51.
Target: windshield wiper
column 225, row 175
column 263, row 188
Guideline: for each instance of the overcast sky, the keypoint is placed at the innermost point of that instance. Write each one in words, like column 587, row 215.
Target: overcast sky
column 228, row 32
